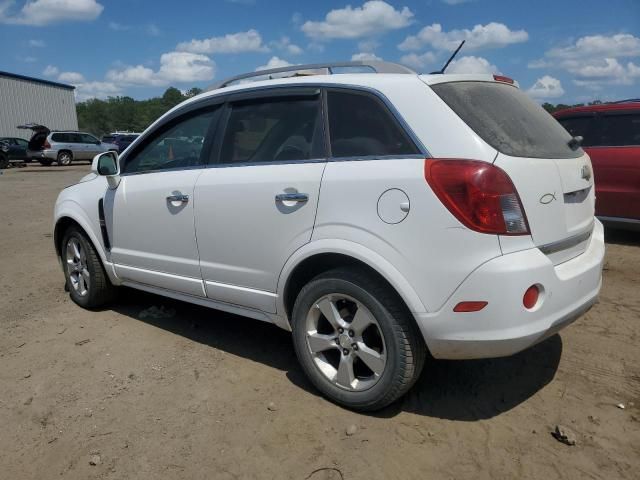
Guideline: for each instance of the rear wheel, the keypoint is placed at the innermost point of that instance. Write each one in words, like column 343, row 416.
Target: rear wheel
column 64, row 158
column 85, row 277
column 356, row 340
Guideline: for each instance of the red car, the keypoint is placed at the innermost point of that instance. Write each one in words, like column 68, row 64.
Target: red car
column 611, row 137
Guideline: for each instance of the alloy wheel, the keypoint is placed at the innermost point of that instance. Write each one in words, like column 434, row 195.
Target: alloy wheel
column 345, row 342
column 76, row 259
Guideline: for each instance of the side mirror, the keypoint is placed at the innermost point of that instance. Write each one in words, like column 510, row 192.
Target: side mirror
column 106, row 165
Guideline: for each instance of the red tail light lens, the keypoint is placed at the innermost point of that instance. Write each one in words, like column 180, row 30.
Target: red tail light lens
column 502, row 78
column 478, row 194
column 469, row 307
column 530, row 297
column 46, row 144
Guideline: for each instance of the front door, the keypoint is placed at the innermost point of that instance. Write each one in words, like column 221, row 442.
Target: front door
column 151, row 221
column 257, row 205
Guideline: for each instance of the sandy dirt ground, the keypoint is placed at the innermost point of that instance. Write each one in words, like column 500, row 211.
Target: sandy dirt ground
column 207, row 395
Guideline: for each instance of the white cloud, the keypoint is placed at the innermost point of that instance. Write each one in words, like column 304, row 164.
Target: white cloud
column 285, row 45
column 50, row 71
column 45, row 12
column 594, row 60
column 472, row 64
column 491, row 35
column 29, row 59
column 175, row 67
column 546, row 87
column 119, row 27
column 73, row 78
column 249, row 41
column 365, row 56
column 37, row 43
column 85, row 91
column 374, row 17
column 274, row 62
column 455, row 2
column 417, row 61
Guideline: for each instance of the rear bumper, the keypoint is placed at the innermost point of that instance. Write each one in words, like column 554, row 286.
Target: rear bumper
column 504, row 326
column 43, row 154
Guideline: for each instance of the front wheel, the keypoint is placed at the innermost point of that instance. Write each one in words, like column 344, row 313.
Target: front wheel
column 85, row 277
column 355, row 339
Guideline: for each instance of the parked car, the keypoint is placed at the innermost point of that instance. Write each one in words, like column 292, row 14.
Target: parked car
column 12, row 149
column 611, row 137
column 63, row 147
column 376, row 216
column 123, row 141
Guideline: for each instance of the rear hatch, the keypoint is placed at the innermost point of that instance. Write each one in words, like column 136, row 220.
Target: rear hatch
column 40, row 133
column 553, row 178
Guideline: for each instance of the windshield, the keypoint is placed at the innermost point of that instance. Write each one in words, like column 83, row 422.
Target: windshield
column 507, row 119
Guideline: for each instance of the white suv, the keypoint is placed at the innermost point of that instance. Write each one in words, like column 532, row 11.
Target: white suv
column 377, row 216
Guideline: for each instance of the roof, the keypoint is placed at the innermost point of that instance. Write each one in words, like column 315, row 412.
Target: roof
column 601, row 107
column 36, row 80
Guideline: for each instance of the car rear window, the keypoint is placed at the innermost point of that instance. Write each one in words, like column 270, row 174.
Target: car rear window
column 507, row 119
column 617, row 130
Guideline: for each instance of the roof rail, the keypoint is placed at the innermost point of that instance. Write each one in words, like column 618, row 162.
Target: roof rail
column 327, row 69
column 628, row 100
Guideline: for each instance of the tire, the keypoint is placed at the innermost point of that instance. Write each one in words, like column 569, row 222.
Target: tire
column 45, row 162
column 392, row 346
column 84, row 274
column 4, row 161
column 64, row 158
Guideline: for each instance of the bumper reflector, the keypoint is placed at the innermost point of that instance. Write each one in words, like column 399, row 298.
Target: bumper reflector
column 469, row 307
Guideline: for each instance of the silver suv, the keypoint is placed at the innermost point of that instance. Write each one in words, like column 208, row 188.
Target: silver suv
column 63, row 147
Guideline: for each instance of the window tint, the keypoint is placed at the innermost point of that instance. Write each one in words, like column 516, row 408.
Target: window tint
column 174, row 147
column 282, row 129
column 21, row 142
column 74, row 138
column 360, row 125
column 618, row 130
column 579, row 127
column 86, row 138
column 61, row 137
column 507, row 119
column 108, row 138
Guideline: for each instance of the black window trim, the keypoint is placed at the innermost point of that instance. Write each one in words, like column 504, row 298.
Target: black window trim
column 166, row 125
column 597, row 117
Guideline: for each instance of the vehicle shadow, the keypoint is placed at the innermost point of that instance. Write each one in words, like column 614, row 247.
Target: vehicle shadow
column 456, row 390
column 622, row 237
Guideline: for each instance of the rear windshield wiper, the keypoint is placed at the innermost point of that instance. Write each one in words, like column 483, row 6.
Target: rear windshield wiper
column 575, row 142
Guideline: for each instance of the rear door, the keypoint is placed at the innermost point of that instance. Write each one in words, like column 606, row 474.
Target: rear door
column 615, row 152
column 91, row 145
column 554, row 180
column 257, row 204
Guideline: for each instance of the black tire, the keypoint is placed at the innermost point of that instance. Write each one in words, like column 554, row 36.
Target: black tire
column 100, row 291
column 404, row 345
column 65, row 158
column 4, row 161
column 45, row 162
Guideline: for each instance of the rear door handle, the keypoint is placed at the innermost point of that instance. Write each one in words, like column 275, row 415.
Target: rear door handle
column 292, row 197
column 178, row 198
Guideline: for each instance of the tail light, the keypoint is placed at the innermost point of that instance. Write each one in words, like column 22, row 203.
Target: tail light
column 46, row 144
column 478, row 194
column 502, row 78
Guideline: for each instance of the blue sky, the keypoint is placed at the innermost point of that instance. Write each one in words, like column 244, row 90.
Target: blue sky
column 559, row 51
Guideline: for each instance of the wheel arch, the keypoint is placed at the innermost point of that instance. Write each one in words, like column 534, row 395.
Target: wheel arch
column 323, row 255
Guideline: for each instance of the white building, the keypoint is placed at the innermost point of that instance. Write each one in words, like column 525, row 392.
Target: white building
column 32, row 100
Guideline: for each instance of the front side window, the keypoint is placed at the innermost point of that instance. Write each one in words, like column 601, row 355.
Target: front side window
column 177, row 146
column 360, row 125
column 579, row 127
column 274, row 130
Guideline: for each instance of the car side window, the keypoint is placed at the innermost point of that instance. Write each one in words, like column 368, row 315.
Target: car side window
column 86, row 138
column 273, row 130
column 361, row 125
column 618, row 130
column 21, row 142
column 178, row 145
column 580, row 127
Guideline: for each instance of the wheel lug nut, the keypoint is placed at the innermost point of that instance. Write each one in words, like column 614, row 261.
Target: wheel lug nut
column 340, row 330
column 351, row 333
column 345, row 351
column 354, row 346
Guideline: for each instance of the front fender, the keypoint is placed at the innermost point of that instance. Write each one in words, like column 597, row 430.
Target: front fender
column 357, row 251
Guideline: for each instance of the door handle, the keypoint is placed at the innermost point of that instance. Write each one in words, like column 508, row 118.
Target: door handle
column 292, row 197
column 178, row 198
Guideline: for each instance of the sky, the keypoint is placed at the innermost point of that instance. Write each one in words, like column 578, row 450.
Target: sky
column 560, row 51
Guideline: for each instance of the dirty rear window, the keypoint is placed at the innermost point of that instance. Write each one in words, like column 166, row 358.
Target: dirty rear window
column 507, row 119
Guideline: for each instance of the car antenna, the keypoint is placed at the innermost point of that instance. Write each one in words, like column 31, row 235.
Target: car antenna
column 450, row 59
